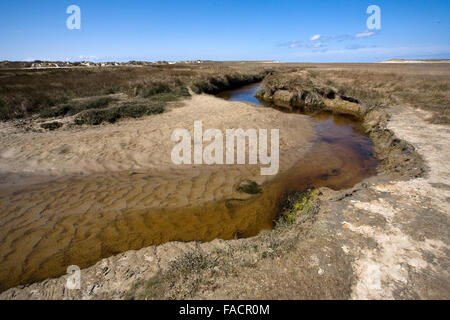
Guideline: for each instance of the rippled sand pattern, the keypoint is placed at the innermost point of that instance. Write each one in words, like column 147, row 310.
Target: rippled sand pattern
column 129, row 195
column 80, row 219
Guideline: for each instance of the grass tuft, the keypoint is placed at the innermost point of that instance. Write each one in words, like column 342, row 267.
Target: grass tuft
column 111, row 115
column 295, row 205
column 73, row 108
column 181, row 280
column 51, row 125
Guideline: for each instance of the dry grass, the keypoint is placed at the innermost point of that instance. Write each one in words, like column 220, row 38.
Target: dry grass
column 25, row 92
column 181, row 280
column 421, row 86
column 75, row 107
column 111, row 115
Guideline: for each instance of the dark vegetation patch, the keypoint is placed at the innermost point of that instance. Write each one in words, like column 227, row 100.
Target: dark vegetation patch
column 170, row 96
column 250, row 187
column 296, row 207
column 111, row 115
column 70, row 109
column 163, row 91
column 5, row 114
column 51, row 125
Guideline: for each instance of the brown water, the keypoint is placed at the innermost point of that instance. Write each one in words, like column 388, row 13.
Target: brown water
column 46, row 227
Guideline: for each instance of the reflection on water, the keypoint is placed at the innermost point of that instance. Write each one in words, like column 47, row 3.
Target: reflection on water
column 341, row 157
column 47, row 227
column 330, row 128
column 245, row 93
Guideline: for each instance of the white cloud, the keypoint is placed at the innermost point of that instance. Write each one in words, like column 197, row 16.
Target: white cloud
column 315, row 37
column 364, row 34
column 290, row 44
column 316, row 45
column 294, row 44
column 298, row 44
column 372, row 53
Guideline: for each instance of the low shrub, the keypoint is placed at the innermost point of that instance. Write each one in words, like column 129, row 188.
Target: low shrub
column 153, row 88
column 51, row 125
column 131, row 110
column 4, row 112
column 295, row 205
column 111, row 115
column 74, row 108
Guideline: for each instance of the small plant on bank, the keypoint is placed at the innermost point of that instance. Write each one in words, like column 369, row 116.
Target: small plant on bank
column 297, row 204
column 129, row 110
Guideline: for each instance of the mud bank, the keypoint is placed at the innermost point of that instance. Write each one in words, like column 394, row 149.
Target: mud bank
column 384, row 238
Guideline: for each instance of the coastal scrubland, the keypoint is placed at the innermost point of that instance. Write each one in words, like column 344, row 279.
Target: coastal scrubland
column 383, row 238
column 70, row 91
column 57, row 92
column 420, row 86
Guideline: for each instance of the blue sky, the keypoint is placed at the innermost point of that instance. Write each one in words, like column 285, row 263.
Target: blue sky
column 295, row 30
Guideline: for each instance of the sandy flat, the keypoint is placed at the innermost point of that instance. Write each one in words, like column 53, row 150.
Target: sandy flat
column 136, row 144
